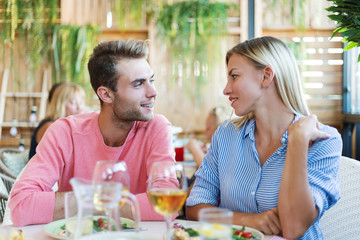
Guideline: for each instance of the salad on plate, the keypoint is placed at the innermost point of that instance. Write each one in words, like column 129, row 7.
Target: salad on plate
column 57, row 229
column 238, row 233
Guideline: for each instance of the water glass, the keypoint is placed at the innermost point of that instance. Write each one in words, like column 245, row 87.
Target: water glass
column 71, row 217
column 215, row 224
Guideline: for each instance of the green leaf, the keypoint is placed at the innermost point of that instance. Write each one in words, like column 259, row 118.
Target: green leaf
column 350, row 46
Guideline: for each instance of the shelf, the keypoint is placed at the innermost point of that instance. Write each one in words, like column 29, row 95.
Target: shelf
column 19, row 124
column 43, row 95
column 24, row 94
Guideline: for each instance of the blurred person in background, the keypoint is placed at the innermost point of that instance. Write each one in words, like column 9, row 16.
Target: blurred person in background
column 197, row 148
column 64, row 99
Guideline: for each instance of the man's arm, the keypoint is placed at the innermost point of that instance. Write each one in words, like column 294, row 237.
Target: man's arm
column 59, row 206
column 32, row 197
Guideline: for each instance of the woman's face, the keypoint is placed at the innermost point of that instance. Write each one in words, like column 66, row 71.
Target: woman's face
column 243, row 84
column 211, row 126
column 75, row 105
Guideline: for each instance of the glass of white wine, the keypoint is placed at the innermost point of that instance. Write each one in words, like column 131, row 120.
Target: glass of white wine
column 167, row 190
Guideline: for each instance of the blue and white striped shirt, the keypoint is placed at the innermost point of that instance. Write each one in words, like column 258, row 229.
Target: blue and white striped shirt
column 231, row 172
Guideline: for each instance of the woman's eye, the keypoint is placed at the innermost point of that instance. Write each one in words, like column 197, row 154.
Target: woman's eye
column 234, row 76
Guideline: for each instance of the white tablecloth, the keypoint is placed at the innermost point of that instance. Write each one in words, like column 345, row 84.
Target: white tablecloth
column 154, row 230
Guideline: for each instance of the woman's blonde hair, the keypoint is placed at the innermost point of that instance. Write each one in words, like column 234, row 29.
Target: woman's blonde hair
column 270, row 51
column 61, row 96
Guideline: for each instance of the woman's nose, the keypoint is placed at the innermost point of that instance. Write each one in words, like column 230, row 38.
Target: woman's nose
column 227, row 89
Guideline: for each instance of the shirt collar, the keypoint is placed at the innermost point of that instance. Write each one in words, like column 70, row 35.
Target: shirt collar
column 249, row 129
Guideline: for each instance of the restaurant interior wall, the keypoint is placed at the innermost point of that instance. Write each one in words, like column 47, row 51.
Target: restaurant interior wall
column 322, row 82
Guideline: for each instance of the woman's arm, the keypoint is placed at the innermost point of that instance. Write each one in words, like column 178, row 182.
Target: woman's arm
column 297, row 209
column 195, row 149
column 267, row 222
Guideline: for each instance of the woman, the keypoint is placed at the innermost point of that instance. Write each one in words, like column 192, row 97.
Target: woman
column 216, row 116
column 65, row 99
column 275, row 165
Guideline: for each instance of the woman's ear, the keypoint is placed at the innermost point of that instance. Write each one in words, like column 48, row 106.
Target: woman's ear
column 268, row 76
column 105, row 94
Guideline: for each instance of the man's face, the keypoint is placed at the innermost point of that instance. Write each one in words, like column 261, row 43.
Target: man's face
column 135, row 95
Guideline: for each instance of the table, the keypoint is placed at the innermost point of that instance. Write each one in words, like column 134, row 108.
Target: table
column 155, row 230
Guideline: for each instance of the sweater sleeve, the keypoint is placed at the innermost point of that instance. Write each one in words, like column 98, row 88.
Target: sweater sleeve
column 161, row 150
column 32, row 198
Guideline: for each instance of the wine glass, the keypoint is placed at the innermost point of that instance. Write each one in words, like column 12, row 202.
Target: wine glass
column 167, row 190
column 117, row 171
column 110, row 170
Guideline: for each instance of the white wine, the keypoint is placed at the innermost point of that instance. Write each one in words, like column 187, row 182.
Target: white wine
column 167, row 201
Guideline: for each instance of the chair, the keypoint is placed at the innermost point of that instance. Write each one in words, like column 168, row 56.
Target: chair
column 342, row 220
column 6, row 184
column 13, row 161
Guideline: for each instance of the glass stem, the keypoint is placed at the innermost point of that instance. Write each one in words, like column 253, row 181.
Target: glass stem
column 109, row 220
column 168, row 227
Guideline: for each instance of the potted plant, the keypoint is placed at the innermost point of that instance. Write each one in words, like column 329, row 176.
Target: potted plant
column 347, row 15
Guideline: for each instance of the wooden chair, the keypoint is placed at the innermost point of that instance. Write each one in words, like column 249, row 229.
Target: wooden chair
column 342, row 220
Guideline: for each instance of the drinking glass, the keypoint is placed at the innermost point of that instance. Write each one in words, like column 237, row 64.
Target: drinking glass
column 167, row 190
column 117, row 171
column 215, row 224
column 110, row 170
column 106, row 200
column 77, row 222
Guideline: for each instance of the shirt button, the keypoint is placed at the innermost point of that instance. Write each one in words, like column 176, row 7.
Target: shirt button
column 253, row 193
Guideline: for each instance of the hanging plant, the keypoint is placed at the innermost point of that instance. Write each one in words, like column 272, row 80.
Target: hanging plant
column 65, row 48
column 71, row 49
column 131, row 13
column 30, row 20
column 297, row 11
column 346, row 13
column 191, row 31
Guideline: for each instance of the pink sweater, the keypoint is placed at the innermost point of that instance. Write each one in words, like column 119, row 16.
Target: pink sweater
column 71, row 147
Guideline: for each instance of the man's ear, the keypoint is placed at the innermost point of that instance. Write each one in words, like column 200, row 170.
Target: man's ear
column 268, row 76
column 105, row 94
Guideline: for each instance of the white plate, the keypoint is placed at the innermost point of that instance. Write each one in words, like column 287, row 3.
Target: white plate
column 116, row 236
column 195, row 225
column 54, row 228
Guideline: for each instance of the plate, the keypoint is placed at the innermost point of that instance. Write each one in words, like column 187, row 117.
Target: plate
column 259, row 234
column 116, row 236
column 196, row 225
column 54, row 228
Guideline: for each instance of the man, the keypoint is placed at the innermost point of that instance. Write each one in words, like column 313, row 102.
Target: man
column 124, row 129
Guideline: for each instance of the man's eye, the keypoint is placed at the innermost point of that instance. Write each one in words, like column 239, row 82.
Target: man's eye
column 138, row 84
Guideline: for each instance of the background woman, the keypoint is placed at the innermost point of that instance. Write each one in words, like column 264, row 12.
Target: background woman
column 65, row 99
column 275, row 165
column 216, row 116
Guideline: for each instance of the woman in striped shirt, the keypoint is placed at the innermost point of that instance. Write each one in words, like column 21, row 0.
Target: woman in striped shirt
column 275, row 166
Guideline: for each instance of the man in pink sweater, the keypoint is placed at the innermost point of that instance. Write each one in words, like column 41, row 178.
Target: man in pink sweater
column 124, row 129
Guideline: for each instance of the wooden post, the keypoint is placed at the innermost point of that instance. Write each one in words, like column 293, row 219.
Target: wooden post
column 3, row 97
column 44, row 95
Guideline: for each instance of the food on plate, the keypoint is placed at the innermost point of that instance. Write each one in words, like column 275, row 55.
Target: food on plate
column 14, row 235
column 98, row 225
column 182, row 233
